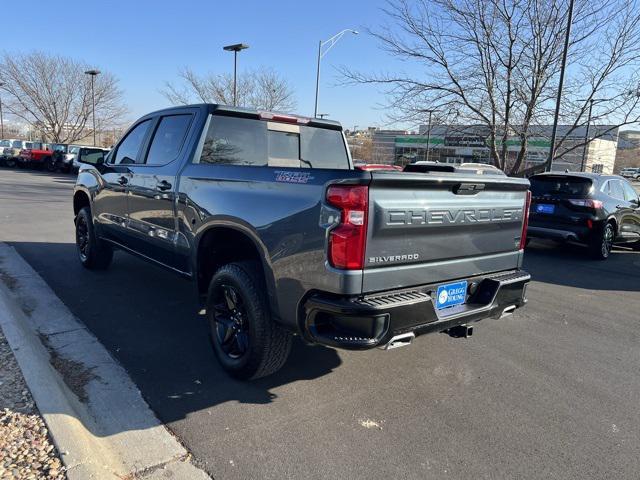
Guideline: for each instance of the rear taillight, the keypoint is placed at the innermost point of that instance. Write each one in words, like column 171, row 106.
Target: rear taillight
column 525, row 220
column 586, row 202
column 348, row 240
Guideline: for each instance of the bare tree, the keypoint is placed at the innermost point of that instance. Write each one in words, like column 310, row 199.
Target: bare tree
column 52, row 94
column 262, row 89
column 495, row 63
column 361, row 148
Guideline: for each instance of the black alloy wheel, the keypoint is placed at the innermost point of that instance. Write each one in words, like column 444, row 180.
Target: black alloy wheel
column 230, row 322
column 82, row 238
column 602, row 244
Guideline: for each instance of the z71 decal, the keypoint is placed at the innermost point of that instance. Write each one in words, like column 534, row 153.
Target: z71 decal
column 293, row 177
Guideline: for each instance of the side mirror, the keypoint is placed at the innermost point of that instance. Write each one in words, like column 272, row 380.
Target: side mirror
column 90, row 156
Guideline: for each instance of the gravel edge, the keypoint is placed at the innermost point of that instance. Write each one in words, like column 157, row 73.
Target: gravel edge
column 26, row 449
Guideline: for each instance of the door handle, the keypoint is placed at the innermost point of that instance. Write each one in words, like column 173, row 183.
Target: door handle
column 163, row 185
column 123, row 180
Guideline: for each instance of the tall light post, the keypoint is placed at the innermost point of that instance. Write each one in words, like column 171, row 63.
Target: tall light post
column 331, row 42
column 93, row 74
column 552, row 148
column 586, row 135
column 1, row 120
column 235, row 48
column 430, row 112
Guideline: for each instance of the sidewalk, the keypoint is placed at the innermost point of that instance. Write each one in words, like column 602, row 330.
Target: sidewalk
column 26, row 450
column 94, row 412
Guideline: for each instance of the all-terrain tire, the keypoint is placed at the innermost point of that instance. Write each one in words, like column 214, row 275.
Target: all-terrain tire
column 50, row 164
column 266, row 344
column 93, row 253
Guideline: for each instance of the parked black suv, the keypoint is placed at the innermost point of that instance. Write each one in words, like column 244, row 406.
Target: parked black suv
column 596, row 210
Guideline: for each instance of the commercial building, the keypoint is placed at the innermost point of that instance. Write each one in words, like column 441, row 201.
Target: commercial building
column 628, row 154
column 468, row 143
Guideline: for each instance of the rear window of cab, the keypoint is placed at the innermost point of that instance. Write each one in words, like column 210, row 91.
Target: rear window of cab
column 250, row 142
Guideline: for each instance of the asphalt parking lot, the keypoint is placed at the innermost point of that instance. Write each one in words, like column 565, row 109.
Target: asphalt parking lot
column 551, row 392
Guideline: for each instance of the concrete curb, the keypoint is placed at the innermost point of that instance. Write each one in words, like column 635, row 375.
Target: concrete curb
column 97, row 417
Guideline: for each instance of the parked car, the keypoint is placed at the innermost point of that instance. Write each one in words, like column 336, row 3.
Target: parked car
column 60, row 150
column 482, row 168
column 35, row 155
column 281, row 234
column 632, row 173
column 4, row 144
column 598, row 211
column 11, row 152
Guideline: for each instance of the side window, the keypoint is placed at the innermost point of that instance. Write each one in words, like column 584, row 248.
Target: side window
column 128, row 150
column 168, row 139
column 629, row 193
column 235, row 141
column 605, row 188
column 323, row 148
column 616, row 191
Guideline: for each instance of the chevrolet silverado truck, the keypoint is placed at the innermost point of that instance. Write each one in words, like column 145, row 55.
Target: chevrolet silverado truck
column 282, row 236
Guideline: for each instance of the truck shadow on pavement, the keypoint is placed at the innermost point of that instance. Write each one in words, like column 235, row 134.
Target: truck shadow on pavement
column 147, row 319
column 570, row 265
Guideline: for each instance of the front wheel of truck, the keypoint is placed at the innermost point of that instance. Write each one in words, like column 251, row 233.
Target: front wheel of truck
column 247, row 342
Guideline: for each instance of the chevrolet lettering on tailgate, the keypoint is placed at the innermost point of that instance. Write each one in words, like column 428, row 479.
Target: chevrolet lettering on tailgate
column 452, row 216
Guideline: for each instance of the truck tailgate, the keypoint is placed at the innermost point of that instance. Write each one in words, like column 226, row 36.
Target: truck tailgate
column 426, row 228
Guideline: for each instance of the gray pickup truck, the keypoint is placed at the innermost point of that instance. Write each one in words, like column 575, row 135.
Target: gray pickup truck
column 282, row 235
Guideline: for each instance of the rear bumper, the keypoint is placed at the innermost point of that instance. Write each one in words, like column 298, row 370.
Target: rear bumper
column 566, row 234
column 372, row 321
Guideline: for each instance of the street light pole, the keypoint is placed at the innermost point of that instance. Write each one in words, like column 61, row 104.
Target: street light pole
column 235, row 48
column 1, row 120
column 428, row 133
column 552, row 148
column 586, row 137
column 93, row 74
column 331, row 42
column 315, row 108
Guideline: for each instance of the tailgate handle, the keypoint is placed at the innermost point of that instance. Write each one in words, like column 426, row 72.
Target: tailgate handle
column 468, row 188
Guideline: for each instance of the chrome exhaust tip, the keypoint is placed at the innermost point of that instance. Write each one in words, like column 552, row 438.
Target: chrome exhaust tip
column 508, row 311
column 402, row 340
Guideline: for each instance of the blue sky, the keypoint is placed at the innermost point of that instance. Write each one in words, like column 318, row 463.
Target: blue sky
column 145, row 43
